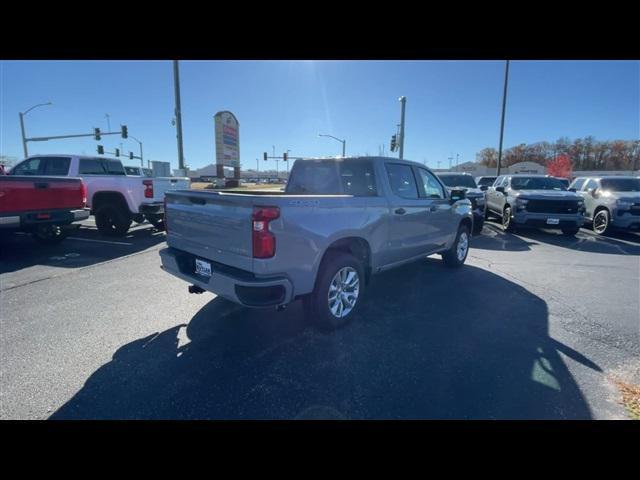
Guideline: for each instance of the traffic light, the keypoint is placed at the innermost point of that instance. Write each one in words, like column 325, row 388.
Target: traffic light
column 130, row 155
column 96, row 132
column 125, row 132
column 117, row 152
column 394, row 143
column 284, row 156
column 265, row 156
column 100, row 150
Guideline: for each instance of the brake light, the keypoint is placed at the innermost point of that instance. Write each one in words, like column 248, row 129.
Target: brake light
column 83, row 189
column 148, row 188
column 264, row 242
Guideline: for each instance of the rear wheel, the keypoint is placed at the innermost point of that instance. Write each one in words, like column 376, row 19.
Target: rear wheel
column 457, row 254
column 570, row 232
column 601, row 222
column 49, row 234
column 338, row 292
column 112, row 220
column 156, row 220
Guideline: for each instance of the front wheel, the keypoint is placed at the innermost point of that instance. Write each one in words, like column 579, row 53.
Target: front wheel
column 601, row 222
column 338, row 292
column 507, row 223
column 457, row 254
column 49, row 234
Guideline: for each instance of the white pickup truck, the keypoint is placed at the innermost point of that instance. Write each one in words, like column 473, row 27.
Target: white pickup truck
column 115, row 198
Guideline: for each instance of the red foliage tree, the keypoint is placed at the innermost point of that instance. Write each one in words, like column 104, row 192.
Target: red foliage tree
column 560, row 166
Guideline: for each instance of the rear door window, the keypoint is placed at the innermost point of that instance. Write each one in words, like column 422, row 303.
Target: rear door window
column 91, row 166
column 402, row 181
column 114, row 167
column 56, row 166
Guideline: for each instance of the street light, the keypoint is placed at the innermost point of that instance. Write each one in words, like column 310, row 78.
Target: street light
column 335, row 138
column 22, row 114
column 139, row 143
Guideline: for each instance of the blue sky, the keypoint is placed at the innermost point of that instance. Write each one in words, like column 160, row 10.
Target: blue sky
column 452, row 106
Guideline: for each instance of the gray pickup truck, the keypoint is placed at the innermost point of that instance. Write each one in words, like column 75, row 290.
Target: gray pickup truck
column 338, row 222
column 610, row 202
column 535, row 201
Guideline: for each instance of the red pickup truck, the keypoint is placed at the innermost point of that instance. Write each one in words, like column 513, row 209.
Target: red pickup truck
column 42, row 206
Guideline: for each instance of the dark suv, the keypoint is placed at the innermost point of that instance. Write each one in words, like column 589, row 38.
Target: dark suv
column 464, row 181
column 535, row 201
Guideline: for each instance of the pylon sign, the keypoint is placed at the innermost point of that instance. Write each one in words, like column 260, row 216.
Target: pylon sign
column 227, row 132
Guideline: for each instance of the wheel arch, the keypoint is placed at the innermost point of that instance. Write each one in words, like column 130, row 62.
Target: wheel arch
column 353, row 245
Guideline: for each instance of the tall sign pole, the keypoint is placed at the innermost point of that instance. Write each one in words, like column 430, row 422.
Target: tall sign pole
column 176, row 83
column 24, row 139
column 403, row 101
column 504, row 103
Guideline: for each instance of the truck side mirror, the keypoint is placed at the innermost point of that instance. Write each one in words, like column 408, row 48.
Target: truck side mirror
column 500, row 189
column 593, row 192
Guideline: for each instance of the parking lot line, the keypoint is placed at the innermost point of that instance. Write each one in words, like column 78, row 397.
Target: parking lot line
column 98, row 241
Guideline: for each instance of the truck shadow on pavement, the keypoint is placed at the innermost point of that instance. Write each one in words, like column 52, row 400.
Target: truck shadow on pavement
column 586, row 241
column 83, row 247
column 494, row 238
column 425, row 346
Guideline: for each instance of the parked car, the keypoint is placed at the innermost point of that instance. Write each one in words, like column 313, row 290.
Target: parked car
column 114, row 198
column 43, row 206
column 456, row 180
column 485, row 182
column 338, row 222
column 535, row 201
column 610, row 202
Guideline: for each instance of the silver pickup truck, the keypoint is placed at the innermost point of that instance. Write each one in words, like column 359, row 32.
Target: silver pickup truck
column 338, row 222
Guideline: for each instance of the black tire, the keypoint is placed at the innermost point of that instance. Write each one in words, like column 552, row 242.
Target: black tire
column 113, row 221
column 157, row 221
column 138, row 218
column 451, row 257
column 601, row 222
column 477, row 226
column 316, row 304
column 570, row 232
column 507, row 223
column 49, row 234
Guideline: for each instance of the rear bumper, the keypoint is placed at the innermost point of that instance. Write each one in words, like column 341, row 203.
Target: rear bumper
column 152, row 208
column 235, row 285
column 29, row 220
column 539, row 220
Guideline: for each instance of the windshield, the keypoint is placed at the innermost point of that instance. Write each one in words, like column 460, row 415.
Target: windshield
column 621, row 184
column 486, row 181
column 333, row 177
column 458, row 181
column 536, row 183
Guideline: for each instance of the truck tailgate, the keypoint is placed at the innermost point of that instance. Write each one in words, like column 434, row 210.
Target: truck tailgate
column 28, row 193
column 162, row 185
column 211, row 226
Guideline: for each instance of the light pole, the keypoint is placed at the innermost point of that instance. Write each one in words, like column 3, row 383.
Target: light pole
column 403, row 101
column 24, row 137
column 288, row 162
column 344, row 142
column 504, row 103
column 178, row 112
column 108, row 122
column 139, row 143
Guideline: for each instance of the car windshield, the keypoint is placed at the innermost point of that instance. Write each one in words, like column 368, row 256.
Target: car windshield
column 536, row 183
column 621, row 184
column 458, row 181
column 486, row 181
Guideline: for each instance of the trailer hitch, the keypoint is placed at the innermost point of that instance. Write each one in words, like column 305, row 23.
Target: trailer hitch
column 195, row 289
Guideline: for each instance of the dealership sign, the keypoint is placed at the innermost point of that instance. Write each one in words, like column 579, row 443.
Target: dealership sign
column 227, row 139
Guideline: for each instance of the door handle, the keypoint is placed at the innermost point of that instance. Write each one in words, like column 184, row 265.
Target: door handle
column 400, row 211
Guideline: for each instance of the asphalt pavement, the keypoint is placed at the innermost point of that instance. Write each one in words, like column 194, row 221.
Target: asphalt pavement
column 535, row 325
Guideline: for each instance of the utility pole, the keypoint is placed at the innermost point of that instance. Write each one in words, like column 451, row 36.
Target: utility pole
column 24, row 136
column 403, row 101
column 176, row 82
column 504, row 103
column 108, row 122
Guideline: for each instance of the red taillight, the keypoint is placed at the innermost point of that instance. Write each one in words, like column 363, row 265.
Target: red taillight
column 264, row 242
column 83, row 189
column 148, row 188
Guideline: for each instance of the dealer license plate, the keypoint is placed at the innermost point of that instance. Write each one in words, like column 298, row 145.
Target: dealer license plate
column 553, row 221
column 203, row 267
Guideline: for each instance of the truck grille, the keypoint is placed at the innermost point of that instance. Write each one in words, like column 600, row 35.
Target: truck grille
column 552, row 206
